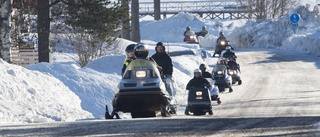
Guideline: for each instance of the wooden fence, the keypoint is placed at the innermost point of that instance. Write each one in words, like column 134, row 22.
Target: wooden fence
column 24, row 57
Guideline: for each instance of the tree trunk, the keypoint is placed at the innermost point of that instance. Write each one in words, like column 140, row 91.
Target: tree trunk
column 125, row 32
column 43, row 30
column 157, row 12
column 5, row 32
column 135, row 35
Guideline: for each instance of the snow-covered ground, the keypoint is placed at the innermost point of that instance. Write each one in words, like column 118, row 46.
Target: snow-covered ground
column 62, row 91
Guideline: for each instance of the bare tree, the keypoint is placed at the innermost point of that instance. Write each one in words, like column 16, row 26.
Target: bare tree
column 5, row 32
column 263, row 9
column 88, row 46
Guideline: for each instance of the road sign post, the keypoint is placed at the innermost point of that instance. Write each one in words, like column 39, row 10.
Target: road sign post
column 294, row 18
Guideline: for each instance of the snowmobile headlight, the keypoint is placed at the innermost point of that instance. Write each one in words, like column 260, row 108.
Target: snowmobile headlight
column 141, row 74
column 192, row 37
column 231, row 72
column 220, row 72
column 223, row 43
column 198, row 95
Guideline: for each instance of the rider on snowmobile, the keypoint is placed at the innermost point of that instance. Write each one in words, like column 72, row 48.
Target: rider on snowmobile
column 207, row 74
column 130, row 56
column 203, row 32
column 188, row 32
column 141, row 51
column 233, row 64
column 198, row 81
column 221, row 37
column 228, row 53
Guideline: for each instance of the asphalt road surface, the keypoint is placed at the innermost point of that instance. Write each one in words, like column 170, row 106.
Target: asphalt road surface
column 280, row 96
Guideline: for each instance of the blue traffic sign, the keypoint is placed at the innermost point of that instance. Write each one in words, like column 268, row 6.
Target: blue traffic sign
column 294, row 25
column 294, row 18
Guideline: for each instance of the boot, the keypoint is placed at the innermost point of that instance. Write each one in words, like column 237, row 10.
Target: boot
column 219, row 101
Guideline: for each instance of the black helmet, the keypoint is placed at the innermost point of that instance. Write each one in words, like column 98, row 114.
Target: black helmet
column 188, row 28
column 221, row 33
column 202, row 67
column 130, row 48
column 204, row 27
column 141, row 51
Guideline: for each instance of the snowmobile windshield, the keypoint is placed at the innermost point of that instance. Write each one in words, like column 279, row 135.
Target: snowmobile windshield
column 140, row 67
column 219, row 68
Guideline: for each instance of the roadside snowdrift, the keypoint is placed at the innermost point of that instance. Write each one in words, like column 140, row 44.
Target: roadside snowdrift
column 280, row 34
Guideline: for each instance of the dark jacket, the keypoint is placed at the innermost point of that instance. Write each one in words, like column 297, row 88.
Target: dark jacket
column 206, row 74
column 229, row 54
column 233, row 65
column 198, row 82
column 164, row 61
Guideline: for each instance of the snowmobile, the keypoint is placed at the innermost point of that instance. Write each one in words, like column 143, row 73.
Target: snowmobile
column 235, row 75
column 141, row 92
column 191, row 39
column 221, row 46
column 221, row 77
column 199, row 102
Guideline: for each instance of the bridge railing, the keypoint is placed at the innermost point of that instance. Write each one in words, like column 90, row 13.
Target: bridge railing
column 193, row 6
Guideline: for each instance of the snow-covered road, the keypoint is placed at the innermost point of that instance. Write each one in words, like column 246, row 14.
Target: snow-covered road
column 280, row 96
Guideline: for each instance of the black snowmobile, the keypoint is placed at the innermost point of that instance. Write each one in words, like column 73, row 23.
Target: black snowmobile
column 235, row 74
column 141, row 92
column 221, row 77
column 221, row 46
column 199, row 102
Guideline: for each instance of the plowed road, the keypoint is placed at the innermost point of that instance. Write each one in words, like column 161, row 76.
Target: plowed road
column 280, row 96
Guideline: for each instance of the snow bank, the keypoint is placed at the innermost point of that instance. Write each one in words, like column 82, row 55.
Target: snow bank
column 280, row 34
column 32, row 97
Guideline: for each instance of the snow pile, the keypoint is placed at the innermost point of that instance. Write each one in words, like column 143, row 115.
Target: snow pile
column 29, row 96
column 94, row 88
column 280, row 34
column 172, row 29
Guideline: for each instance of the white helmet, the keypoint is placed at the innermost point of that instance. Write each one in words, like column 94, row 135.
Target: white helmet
column 196, row 70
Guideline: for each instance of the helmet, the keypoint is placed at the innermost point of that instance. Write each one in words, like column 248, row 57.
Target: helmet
column 188, row 28
column 228, row 48
column 141, row 51
column 221, row 33
column 197, row 70
column 204, row 27
column 202, row 66
column 129, row 48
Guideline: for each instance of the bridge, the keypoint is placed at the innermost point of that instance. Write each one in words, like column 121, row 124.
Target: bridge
column 214, row 9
